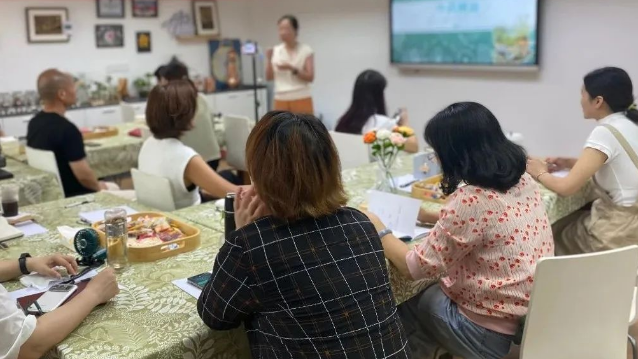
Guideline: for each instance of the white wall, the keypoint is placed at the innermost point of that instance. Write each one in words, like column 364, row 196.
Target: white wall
column 352, row 35
column 577, row 36
column 21, row 62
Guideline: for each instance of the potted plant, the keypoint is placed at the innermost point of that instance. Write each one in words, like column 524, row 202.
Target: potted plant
column 143, row 85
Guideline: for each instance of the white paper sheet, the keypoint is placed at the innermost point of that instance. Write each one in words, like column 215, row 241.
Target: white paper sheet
column 404, row 183
column 96, row 216
column 191, row 290
column 31, row 228
column 398, row 213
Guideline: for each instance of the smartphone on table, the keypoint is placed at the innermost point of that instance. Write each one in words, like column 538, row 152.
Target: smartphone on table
column 53, row 298
column 200, row 280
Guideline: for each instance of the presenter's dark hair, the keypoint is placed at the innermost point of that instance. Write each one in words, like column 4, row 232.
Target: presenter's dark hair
column 368, row 99
column 472, row 148
column 292, row 19
column 615, row 87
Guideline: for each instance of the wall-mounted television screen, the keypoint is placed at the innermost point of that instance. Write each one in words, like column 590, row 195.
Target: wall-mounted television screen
column 480, row 33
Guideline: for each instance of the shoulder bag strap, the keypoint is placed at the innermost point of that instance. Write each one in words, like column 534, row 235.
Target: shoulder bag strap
column 623, row 142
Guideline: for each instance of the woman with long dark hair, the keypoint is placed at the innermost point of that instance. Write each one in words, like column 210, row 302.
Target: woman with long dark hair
column 485, row 245
column 610, row 159
column 368, row 109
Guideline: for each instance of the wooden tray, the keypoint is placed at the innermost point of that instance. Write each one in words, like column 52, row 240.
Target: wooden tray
column 427, row 194
column 190, row 242
column 102, row 132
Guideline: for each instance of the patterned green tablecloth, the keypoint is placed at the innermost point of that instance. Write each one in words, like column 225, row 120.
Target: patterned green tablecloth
column 110, row 156
column 150, row 318
column 35, row 186
column 114, row 155
column 358, row 181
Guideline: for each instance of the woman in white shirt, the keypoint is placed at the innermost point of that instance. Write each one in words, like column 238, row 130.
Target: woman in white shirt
column 26, row 336
column 368, row 109
column 291, row 65
column 610, row 158
column 170, row 112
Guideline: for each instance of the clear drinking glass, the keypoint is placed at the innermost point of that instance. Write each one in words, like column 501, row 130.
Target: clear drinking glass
column 116, row 237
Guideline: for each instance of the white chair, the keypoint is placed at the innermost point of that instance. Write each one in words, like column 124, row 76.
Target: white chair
column 352, row 151
column 202, row 137
column 237, row 129
column 579, row 306
column 44, row 161
column 153, row 191
column 633, row 318
column 128, row 112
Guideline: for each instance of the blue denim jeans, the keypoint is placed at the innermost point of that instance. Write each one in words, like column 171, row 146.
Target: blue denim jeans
column 433, row 321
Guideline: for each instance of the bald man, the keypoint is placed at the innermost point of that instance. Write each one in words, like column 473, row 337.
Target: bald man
column 49, row 130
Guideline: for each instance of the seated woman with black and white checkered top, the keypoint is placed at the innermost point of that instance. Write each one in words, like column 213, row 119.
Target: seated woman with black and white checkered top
column 305, row 274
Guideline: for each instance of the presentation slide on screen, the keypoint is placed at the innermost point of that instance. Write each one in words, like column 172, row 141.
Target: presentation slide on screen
column 472, row 32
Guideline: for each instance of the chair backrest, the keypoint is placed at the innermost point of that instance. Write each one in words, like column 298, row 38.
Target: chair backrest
column 580, row 305
column 153, row 191
column 44, row 161
column 202, row 137
column 237, row 129
column 128, row 112
column 352, row 151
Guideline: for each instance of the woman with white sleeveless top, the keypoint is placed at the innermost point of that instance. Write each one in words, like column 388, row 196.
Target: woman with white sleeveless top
column 291, row 65
column 610, row 158
column 170, row 113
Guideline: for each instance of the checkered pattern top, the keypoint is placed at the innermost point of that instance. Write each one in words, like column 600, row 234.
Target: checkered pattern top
column 314, row 288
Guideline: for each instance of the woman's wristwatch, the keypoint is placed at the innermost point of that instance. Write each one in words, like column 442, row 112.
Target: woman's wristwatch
column 385, row 232
column 22, row 262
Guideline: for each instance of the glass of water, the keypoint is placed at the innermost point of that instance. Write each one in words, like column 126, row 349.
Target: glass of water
column 116, row 236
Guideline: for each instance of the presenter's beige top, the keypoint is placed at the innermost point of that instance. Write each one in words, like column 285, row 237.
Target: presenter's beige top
column 289, row 87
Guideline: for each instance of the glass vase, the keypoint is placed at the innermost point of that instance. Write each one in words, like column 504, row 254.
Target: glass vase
column 385, row 178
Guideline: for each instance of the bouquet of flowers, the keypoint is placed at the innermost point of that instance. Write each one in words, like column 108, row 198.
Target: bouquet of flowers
column 385, row 146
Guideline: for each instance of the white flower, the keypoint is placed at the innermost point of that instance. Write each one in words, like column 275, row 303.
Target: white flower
column 383, row 134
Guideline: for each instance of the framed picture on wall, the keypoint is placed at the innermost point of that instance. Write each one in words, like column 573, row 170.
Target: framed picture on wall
column 143, row 40
column 108, row 36
column 110, row 8
column 47, row 24
column 206, row 17
column 144, row 8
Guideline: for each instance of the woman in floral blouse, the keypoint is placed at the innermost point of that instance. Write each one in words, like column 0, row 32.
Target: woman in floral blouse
column 485, row 245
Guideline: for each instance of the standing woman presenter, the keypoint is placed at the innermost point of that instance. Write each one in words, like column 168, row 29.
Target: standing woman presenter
column 291, row 65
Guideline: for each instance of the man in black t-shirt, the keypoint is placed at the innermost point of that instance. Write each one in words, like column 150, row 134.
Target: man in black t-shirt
column 49, row 130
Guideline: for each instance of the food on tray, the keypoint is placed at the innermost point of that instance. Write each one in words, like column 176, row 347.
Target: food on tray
column 150, row 231
column 429, row 190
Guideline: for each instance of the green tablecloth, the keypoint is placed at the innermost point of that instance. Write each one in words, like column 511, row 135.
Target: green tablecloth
column 358, row 181
column 110, row 156
column 35, row 186
column 150, row 318
column 114, row 155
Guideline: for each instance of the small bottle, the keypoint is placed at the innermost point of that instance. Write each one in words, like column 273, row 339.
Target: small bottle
column 229, row 214
column 116, row 237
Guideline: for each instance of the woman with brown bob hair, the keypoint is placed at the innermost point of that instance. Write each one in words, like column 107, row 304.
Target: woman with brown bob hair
column 305, row 274
column 170, row 113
